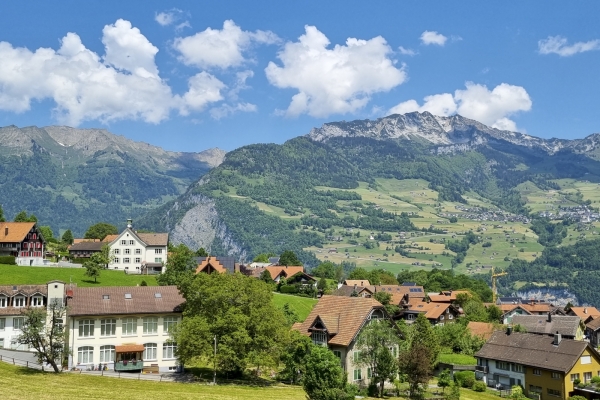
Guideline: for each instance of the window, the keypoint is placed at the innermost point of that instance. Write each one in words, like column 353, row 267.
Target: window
column 86, row 328
column 18, row 323
column 586, row 359
column 2, row 323
column 108, row 327
column 127, row 251
column 85, row 355
column 168, row 324
column 441, row 317
column 37, row 301
column 574, row 377
column 123, row 242
column 131, row 242
column 411, row 316
column 116, row 251
column 554, row 392
column 3, row 301
column 19, row 301
column 169, row 350
column 587, row 376
column 149, row 351
column 158, row 259
column 150, row 325
column 504, row 365
column 158, row 251
column 369, row 373
column 518, row 368
column 450, row 316
column 138, row 260
column 338, row 354
column 356, row 356
column 535, row 389
column 319, row 338
column 556, row 375
column 129, row 326
column 537, row 372
column 126, row 260
column 116, row 260
column 107, row 353
column 357, row 374
column 138, row 251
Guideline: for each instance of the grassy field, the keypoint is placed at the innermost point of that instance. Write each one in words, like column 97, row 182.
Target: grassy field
column 20, row 383
column 457, row 359
column 302, row 305
column 17, row 275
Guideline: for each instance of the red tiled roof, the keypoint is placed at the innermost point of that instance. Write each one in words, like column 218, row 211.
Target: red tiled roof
column 585, row 312
column 14, row 232
column 481, row 329
column 431, row 310
column 129, row 348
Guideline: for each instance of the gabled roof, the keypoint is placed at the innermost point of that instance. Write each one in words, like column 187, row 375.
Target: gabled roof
column 357, row 282
column 17, row 231
column 585, row 312
column 594, row 324
column 342, row 316
column 399, row 291
column 143, row 300
column 110, row 238
column 347, row 291
column 154, row 239
column 565, row 325
column 481, row 329
column 506, row 308
column 533, row 350
column 447, row 296
column 86, row 246
column 431, row 310
column 220, row 264
column 22, row 290
column 537, row 307
column 278, row 271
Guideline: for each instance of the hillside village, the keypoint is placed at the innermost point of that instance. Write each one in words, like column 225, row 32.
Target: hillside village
column 547, row 350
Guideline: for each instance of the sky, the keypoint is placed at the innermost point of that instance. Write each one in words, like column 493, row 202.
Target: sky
column 192, row 75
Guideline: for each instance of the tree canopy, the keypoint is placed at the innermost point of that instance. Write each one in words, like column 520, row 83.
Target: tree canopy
column 67, row 237
column 289, row 258
column 23, row 217
column 100, row 231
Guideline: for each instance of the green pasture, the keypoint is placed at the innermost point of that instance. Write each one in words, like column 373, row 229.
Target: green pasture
column 301, row 305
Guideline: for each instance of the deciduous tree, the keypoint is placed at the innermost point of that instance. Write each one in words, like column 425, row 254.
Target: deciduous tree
column 180, row 266
column 100, row 231
column 67, row 237
column 288, row 258
column 46, row 233
column 324, row 378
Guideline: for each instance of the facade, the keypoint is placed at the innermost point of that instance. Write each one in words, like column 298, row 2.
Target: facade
column 336, row 322
column 24, row 241
column 15, row 299
column 139, row 253
column 85, row 249
column 124, row 328
column 546, row 367
column 436, row 313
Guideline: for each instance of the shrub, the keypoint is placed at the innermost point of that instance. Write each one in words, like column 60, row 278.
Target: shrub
column 596, row 379
column 465, row 379
column 143, row 283
column 577, row 398
column 8, row 260
column 289, row 289
column 479, row 386
column 577, row 381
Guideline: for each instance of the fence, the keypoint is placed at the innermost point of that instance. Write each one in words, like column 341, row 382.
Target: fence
column 22, row 363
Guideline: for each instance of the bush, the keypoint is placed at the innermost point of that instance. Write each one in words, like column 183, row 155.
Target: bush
column 479, row 386
column 577, row 398
column 596, row 379
column 465, row 379
column 143, row 283
column 8, row 260
column 289, row 289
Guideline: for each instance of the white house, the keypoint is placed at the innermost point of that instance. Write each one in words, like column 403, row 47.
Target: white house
column 15, row 299
column 124, row 328
column 134, row 252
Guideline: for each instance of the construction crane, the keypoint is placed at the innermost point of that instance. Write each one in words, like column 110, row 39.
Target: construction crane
column 494, row 290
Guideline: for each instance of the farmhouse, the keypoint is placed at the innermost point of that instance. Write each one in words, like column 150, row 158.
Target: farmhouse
column 22, row 240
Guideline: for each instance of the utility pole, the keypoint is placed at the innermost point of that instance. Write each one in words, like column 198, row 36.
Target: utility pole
column 494, row 289
column 215, row 363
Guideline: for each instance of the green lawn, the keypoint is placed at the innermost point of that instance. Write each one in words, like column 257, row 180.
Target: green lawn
column 17, row 275
column 458, row 359
column 20, row 383
column 302, row 305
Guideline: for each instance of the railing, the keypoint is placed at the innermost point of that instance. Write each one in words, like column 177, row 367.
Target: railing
column 22, row 363
column 129, row 366
column 481, row 368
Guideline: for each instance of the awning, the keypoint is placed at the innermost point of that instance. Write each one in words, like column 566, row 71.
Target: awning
column 129, row 348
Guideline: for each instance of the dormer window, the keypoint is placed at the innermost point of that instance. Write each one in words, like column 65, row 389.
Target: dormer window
column 3, row 301
column 19, row 301
column 37, row 301
column 319, row 338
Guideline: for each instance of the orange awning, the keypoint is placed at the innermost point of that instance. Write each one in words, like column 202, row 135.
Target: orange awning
column 129, row 348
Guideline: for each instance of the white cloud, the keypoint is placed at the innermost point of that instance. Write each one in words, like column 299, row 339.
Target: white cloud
column 559, row 45
column 432, row 37
column 337, row 80
column 476, row 102
column 220, row 48
column 124, row 84
column 166, row 18
column 226, row 110
column 240, row 83
column 407, row 52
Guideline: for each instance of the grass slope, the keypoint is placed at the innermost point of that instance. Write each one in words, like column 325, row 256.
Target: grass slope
column 20, row 383
column 302, row 305
column 16, row 275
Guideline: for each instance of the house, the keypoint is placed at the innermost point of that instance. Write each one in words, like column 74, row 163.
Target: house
column 141, row 253
column 569, row 327
column 510, row 310
column 336, row 322
column 211, row 264
column 584, row 313
column 14, row 299
column 22, row 240
column 447, row 296
column 436, row 313
column 357, row 282
column 592, row 332
column 124, row 328
column 545, row 366
column 356, row 291
column 85, row 249
column 482, row 329
column 278, row 271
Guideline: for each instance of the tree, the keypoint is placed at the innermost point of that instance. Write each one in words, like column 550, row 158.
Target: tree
column 326, row 269
column 263, row 257
column 415, row 364
column 324, row 378
column 67, row 237
column 46, row 232
column 201, row 252
column 444, row 379
column 454, row 392
column 2, row 219
column 43, row 331
column 266, row 277
column 22, row 217
column 385, row 299
column 100, row 231
column 92, row 268
column 294, row 356
column 378, row 343
column 322, row 285
column 288, row 258
column 180, row 267
column 494, row 313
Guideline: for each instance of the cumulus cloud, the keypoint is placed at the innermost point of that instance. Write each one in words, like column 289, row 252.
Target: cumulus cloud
column 559, row 45
column 226, row 110
column 220, row 48
column 124, row 84
column 166, row 18
column 407, row 52
column 337, row 80
column 432, row 37
column 490, row 107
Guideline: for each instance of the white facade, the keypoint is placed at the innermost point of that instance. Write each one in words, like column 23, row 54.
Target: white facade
column 495, row 372
column 93, row 339
column 132, row 254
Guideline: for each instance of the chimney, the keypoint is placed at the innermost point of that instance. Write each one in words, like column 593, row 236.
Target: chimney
column 557, row 338
column 6, row 231
column 509, row 330
column 584, row 310
column 549, row 317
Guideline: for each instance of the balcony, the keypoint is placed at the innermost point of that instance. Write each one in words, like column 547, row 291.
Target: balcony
column 481, row 368
column 124, row 366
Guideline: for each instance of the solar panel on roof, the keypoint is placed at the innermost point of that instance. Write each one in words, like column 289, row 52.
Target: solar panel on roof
column 127, row 295
column 157, row 295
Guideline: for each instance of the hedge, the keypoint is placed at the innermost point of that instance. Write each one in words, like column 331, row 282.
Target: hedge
column 8, row 260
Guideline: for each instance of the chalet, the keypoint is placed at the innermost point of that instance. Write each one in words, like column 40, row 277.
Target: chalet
column 22, row 240
column 222, row 265
column 592, row 332
column 569, row 327
column 124, row 328
column 585, row 313
column 436, row 313
column 142, row 253
column 85, row 249
column 353, row 291
column 546, row 367
column 447, row 296
column 15, row 299
column 335, row 322
column 279, row 271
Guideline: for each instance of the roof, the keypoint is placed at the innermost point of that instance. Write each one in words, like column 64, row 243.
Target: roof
column 505, row 308
column 345, row 290
column 154, row 239
column 25, row 290
column 17, row 231
column 509, row 300
column 533, row 350
column 594, row 324
column 274, row 260
column 78, row 240
column 585, row 312
column 144, row 300
column 565, row 325
column 399, row 291
column 357, row 282
column 431, row 310
column 538, row 308
column 110, row 238
column 221, row 264
column 481, row 329
column 447, row 296
column 129, row 348
column 343, row 317
column 86, row 246
column 278, row 270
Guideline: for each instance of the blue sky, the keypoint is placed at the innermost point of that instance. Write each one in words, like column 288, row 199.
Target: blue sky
column 190, row 75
